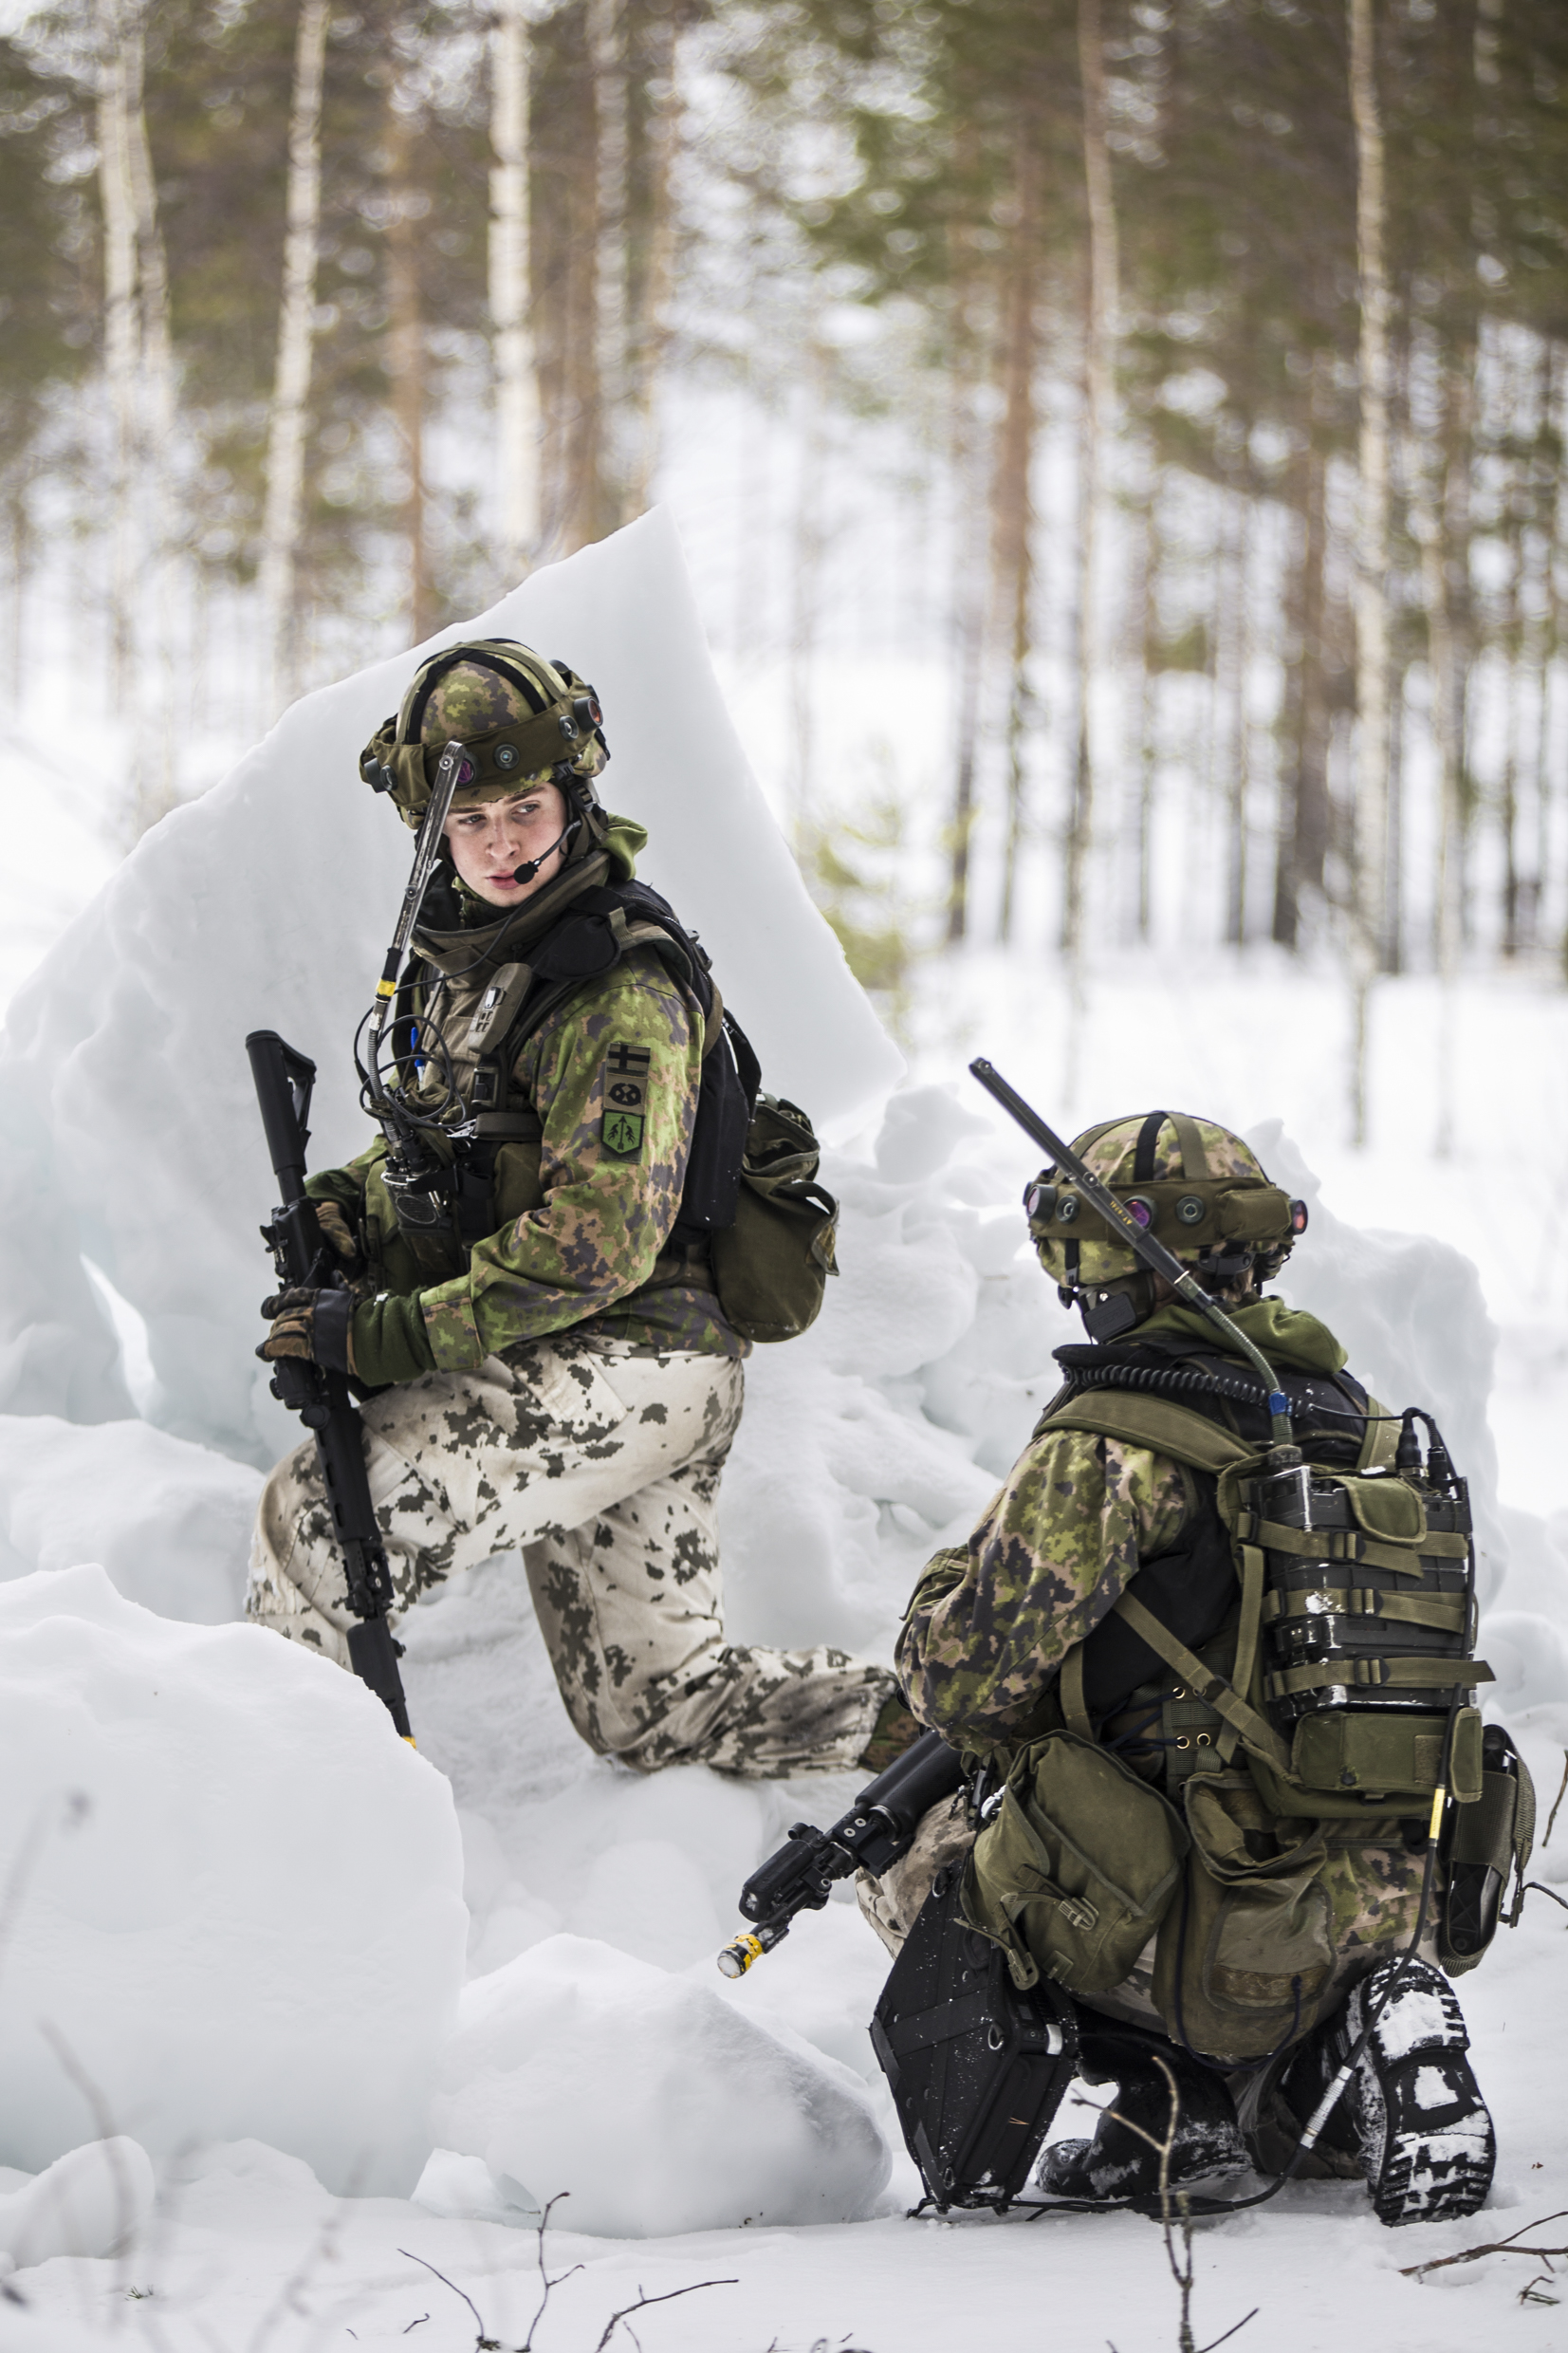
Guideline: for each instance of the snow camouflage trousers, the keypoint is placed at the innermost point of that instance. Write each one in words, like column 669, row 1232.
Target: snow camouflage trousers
column 604, row 1468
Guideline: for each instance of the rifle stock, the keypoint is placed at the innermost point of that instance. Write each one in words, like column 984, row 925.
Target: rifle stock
column 284, row 1083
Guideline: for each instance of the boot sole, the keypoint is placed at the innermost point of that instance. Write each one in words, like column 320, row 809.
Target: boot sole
column 1426, row 2139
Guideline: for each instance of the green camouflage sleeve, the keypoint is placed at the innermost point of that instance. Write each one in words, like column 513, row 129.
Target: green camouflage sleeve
column 990, row 1621
column 614, row 1076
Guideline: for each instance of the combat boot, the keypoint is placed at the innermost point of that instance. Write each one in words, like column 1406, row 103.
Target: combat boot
column 1411, row 2111
column 1119, row 2162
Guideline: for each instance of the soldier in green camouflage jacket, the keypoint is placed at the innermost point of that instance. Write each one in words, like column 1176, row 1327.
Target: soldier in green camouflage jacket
column 1241, row 1948
column 571, row 1388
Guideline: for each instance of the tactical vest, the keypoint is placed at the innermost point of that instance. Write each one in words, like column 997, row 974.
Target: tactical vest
column 1350, row 1618
column 750, row 1204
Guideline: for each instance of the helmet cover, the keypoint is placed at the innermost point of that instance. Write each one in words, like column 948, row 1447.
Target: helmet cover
column 1196, row 1187
column 522, row 720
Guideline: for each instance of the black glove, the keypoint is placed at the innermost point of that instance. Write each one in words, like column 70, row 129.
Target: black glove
column 312, row 1325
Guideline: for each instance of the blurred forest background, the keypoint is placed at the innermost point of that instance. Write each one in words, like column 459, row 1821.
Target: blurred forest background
column 1120, row 441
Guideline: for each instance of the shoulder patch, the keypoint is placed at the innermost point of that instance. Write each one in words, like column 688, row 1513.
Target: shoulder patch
column 624, row 1091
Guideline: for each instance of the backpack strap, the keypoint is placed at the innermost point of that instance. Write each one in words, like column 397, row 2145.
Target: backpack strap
column 1156, row 1423
column 1249, row 1726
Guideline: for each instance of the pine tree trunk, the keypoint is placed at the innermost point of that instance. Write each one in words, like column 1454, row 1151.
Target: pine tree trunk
column 517, row 415
column 286, row 441
column 406, row 361
column 1099, row 393
column 1372, row 554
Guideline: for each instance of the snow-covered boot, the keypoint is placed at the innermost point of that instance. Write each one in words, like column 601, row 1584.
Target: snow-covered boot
column 1119, row 2162
column 1411, row 2111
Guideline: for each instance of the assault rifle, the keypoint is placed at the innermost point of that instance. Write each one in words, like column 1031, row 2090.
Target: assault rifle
column 300, row 1255
column 879, row 1827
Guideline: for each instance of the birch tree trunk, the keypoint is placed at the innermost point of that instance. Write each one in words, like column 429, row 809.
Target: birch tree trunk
column 968, row 626
column 285, row 437
column 118, row 70
column 1099, row 393
column 1233, row 664
column 647, row 314
column 517, row 411
column 155, row 487
column 406, row 359
column 1147, row 636
column 1445, row 705
column 1012, row 574
column 1372, row 556
column 1301, row 845
column 969, row 368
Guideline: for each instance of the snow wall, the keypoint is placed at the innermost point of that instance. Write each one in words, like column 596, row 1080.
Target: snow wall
column 129, row 1129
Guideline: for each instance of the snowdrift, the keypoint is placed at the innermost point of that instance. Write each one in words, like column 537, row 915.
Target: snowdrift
column 232, row 1900
column 652, row 2103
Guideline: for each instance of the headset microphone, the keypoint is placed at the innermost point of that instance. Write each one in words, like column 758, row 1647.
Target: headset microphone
column 525, row 872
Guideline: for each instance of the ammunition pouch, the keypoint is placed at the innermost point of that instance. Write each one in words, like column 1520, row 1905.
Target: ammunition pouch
column 1077, row 1868
column 1488, row 1840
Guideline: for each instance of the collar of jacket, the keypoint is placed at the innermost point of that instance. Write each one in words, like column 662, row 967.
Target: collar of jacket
column 1287, row 1336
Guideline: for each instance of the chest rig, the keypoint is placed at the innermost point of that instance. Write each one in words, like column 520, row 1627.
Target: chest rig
column 1331, row 1655
column 445, row 1208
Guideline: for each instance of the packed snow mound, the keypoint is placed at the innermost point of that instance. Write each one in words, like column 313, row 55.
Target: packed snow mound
column 657, row 2106
column 233, row 1895
column 130, row 1131
column 89, row 2202
column 170, row 1522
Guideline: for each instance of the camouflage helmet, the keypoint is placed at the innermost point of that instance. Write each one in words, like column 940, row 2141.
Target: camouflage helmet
column 522, row 720
column 1196, row 1187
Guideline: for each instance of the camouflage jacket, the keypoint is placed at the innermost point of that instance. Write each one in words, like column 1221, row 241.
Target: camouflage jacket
column 591, row 1256
column 990, row 1621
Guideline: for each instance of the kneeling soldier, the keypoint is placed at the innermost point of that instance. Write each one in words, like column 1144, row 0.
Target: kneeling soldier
column 1221, row 1699
column 552, row 1369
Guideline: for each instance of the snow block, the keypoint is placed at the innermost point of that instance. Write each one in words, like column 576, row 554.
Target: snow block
column 231, row 1899
column 129, row 1128
column 170, row 1522
column 653, row 2103
column 92, row 2201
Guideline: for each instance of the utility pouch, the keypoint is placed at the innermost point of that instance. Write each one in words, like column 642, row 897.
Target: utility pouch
column 1075, row 1872
column 1246, row 1953
column 770, row 1267
column 1488, row 1840
column 977, row 2067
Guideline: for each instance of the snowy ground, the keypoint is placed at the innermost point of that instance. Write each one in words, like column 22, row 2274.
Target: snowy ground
column 864, row 1447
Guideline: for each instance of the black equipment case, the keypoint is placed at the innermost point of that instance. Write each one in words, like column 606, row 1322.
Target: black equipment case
column 977, row 2068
